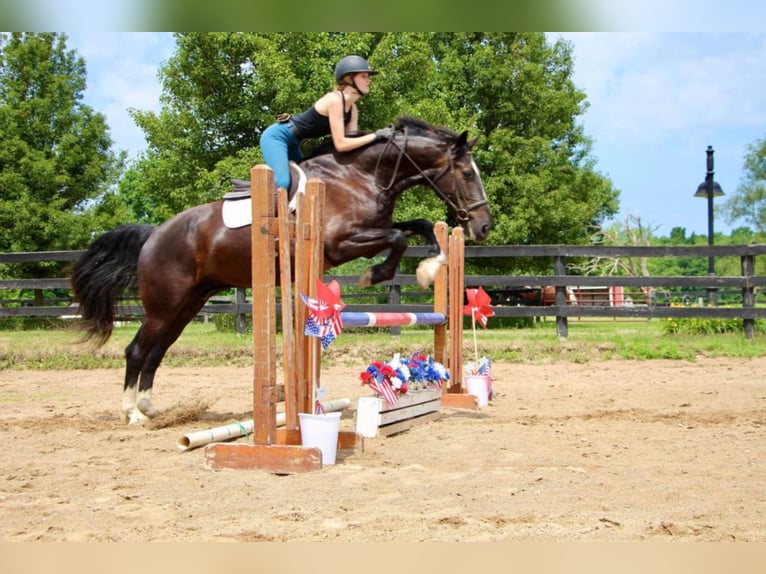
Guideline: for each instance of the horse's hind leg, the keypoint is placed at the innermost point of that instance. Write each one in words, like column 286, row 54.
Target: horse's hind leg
column 134, row 362
column 144, row 355
column 137, row 391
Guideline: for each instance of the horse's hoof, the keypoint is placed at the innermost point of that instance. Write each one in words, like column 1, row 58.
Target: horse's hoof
column 146, row 407
column 427, row 270
column 135, row 417
column 365, row 279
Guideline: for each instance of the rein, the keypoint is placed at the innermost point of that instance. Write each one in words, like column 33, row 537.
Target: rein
column 461, row 211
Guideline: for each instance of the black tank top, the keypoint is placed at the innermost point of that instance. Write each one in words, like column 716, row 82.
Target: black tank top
column 311, row 124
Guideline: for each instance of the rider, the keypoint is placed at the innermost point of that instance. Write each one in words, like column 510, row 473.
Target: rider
column 335, row 114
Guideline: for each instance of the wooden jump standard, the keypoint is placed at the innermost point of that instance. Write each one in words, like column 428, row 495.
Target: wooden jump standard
column 279, row 450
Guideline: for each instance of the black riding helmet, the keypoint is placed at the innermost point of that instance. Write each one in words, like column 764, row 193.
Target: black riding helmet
column 352, row 65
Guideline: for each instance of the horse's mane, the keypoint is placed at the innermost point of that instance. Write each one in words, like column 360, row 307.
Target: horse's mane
column 416, row 126
column 413, row 126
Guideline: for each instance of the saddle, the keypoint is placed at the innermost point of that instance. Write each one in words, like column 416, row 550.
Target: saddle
column 297, row 185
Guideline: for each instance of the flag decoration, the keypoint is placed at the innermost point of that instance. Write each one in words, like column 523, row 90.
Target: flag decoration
column 400, row 376
column 485, row 366
column 324, row 319
column 378, row 377
column 478, row 306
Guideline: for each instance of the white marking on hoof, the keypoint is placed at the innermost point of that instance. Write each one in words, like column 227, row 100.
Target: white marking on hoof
column 134, row 417
column 428, row 268
column 144, row 402
column 145, row 406
column 365, row 279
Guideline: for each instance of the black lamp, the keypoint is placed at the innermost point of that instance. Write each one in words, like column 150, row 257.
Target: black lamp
column 709, row 189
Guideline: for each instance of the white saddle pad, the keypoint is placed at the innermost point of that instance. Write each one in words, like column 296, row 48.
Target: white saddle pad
column 239, row 212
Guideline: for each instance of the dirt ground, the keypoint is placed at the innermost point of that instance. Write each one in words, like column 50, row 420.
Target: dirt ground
column 617, row 450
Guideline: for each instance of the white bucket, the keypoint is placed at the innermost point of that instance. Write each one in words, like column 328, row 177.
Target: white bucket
column 321, row 431
column 478, row 385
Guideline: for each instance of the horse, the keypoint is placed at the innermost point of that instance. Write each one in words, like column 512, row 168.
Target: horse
column 178, row 265
column 543, row 296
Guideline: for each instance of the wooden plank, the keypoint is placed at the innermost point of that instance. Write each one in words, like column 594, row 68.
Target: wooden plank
column 494, row 251
column 412, row 398
column 441, row 292
column 644, row 311
column 278, row 459
column 315, row 192
column 414, row 410
column 286, row 301
column 456, row 287
column 401, row 426
column 459, row 401
column 263, row 255
column 373, row 414
column 599, row 281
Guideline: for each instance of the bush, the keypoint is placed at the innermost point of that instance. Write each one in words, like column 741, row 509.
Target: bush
column 227, row 323
column 696, row 326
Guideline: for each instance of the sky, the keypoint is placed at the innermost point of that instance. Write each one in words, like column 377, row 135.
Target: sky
column 656, row 101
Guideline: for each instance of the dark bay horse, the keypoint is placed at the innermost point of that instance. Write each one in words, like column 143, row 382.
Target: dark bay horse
column 179, row 265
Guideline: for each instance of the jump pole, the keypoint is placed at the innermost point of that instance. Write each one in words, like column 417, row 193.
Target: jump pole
column 273, row 450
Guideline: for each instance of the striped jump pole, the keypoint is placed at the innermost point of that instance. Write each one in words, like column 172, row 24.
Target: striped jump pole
column 358, row 319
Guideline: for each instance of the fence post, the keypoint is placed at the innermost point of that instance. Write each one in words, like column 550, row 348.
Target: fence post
column 748, row 293
column 241, row 320
column 559, row 268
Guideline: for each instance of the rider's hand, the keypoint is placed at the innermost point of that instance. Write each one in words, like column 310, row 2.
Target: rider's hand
column 384, row 133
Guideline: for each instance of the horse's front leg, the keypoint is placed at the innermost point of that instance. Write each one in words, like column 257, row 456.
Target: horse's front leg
column 428, row 268
column 368, row 243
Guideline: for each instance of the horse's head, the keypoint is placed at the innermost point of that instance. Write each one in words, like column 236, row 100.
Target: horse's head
column 444, row 161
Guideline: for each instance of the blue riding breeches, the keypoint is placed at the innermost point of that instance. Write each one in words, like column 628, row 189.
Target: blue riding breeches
column 279, row 146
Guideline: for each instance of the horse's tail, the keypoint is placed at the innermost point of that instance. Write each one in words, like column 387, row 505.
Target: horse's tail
column 101, row 275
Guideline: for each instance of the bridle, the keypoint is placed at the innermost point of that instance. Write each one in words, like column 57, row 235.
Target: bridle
column 461, row 210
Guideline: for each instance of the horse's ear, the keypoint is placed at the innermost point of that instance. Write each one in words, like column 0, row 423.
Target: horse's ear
column 462, row 140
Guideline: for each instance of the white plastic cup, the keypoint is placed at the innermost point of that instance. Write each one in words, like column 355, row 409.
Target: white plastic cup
column 321, row 431
column 478, row 386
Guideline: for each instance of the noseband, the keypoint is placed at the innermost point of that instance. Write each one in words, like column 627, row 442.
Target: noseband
column 461, row 210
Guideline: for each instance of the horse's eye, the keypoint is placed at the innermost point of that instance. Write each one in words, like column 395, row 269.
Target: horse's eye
column 468, row 174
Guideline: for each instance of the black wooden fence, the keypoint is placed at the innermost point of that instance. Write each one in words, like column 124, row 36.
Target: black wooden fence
column 746, row 284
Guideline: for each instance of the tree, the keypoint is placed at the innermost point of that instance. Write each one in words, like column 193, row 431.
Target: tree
column 55, row 160
column 748, row 202
column 514, row 90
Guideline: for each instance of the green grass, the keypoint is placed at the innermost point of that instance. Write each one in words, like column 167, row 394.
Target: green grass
column 202, row 345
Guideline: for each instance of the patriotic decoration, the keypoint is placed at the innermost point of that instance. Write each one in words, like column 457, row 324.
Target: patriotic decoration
column 324, row 319
column 478, row 306
column 479, row 309
column 485, row 367
column 398, row 377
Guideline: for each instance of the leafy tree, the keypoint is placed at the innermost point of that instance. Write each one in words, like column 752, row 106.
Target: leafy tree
column 748, row 202
column 221, row 90
column 55, row 160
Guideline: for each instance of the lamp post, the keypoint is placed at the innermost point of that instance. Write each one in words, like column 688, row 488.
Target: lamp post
column 709, row 189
